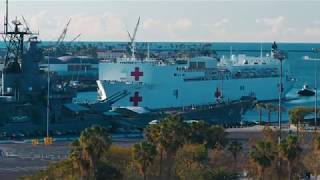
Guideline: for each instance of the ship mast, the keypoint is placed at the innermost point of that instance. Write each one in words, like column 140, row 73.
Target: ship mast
column 13, row 39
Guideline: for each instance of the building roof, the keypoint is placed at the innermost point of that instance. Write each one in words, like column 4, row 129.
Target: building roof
column 71, row 60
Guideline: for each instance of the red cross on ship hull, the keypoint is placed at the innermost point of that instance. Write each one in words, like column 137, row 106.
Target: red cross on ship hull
column 136, row 73
column 136, row 99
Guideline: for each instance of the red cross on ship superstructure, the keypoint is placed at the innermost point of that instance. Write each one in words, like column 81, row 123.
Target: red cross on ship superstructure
column 136, row 99
column 136, row 73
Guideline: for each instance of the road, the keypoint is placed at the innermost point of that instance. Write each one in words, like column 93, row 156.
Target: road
column 18, row 158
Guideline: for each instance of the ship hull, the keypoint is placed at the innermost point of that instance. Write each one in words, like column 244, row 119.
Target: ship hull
column 195, row 93
column 226, row 114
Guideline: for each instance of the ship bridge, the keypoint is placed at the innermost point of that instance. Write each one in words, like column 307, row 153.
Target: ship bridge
column 203, row 62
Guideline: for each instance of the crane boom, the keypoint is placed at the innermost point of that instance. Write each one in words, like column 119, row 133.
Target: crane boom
column 75, row 38
column 63, row 34
column 135, row 30
column 26, row 24
column 132, row 39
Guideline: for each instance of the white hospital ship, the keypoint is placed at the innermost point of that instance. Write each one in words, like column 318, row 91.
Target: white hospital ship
column 157, row 84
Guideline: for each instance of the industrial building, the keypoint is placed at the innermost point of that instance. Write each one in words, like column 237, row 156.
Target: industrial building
column 73, row 67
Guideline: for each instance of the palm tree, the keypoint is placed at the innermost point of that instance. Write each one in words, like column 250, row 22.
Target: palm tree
column 290, row 150
column 262, row 154
column 312, row 158
column 170, row 134
column 271, row 108
column 235, row 148
column 297, row 115
column 143, row 155
column 196, row 132
column 317, row 150
column 260, row 107
column 215, row 136
column 94, row 141
column 79, row 163
column 174, row 134
column 153, row 134
column 317, row 143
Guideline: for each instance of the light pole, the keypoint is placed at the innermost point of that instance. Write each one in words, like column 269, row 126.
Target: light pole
column 316, row 50
column 280, row 55
column 48, row 94
column 48, row 140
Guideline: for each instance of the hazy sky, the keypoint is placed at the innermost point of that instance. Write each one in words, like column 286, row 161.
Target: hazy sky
column 214, row 21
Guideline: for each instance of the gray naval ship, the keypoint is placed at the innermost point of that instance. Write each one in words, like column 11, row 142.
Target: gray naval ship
column 22, row 83
column 24, row 95
column 223, row 113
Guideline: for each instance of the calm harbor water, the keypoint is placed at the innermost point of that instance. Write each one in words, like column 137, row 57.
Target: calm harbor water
column 299, row 68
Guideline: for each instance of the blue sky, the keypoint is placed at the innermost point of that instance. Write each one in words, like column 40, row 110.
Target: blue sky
column 212, row 21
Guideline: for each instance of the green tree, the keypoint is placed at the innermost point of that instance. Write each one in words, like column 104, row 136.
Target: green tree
column 235, row 148
column 78, row 160
column 290, row 150
column 312, row 157
column 197, row 132
column 215, row 136
column 120, row 158
column 220, row 174
column 190, row 161
column 94, row 141
column 263, row 155
column 153, row 134
column 105, row 171
column 297, row 115
column 143, row 155
column 260, row 107
column 271, row 108
column 169, row 135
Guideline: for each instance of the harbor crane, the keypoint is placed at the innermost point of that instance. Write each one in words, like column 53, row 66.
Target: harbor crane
column 62, row 35
column 75, row 38
column 132, row 40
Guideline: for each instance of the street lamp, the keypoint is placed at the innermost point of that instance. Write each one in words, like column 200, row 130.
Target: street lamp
column 280, row 55
column 316, row 50
column 48, row 139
